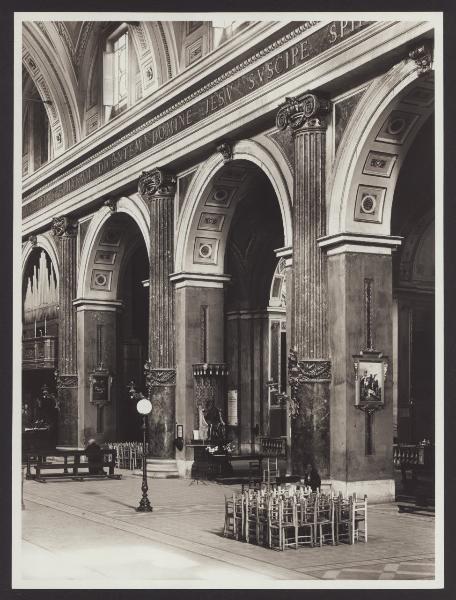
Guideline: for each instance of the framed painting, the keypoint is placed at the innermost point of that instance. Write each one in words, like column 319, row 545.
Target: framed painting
column 370, row 373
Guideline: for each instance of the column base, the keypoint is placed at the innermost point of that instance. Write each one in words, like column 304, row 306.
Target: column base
column 377, row 490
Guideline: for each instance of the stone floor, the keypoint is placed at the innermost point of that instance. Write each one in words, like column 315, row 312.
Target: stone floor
column 88, row 531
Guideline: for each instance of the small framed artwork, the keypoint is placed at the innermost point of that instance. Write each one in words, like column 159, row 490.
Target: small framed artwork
column 370, row 374
column 100, row 386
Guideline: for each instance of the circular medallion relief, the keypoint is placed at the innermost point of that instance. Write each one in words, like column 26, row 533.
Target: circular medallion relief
column 101, row 279
column 396, row 126
column 220, row 194
column 368, row 204
column 205, row 250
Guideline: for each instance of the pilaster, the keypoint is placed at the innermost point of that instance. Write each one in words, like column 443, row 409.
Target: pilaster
column 158, row 188
column 67, row 378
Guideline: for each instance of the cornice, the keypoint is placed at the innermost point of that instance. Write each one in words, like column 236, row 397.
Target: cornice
column 164, row 95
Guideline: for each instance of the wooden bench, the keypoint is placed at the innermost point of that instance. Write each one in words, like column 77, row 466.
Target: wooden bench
column 72, row 466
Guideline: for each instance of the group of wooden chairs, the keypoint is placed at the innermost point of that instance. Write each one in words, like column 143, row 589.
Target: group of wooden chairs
column 285, row 517
column 129, row 454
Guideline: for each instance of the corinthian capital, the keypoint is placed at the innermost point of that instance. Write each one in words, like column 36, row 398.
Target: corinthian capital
column 63, row 226
column 305, row 111
column 155, row 183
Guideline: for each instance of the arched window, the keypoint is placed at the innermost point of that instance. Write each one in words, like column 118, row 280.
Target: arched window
column 120, row 72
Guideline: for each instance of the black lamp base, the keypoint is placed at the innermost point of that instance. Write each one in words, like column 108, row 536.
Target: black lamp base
column 144, row 505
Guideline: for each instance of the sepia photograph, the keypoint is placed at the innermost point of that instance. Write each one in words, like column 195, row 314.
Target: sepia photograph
column 228, row 300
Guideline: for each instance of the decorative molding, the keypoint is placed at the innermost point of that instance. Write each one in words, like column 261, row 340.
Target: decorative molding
column 225, row 150
column 306, row 111
column 157, row 182
column 158, row 376
column 423, row 56
column 358, row 241
column 165, row 45
column 64, row 226
column 141, row 36
column 210, row 370
column 33, row 240
column 76, row 52
column 65, row 381
column 306, row 371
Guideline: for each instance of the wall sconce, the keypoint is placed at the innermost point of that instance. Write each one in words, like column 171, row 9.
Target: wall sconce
column 179, row 441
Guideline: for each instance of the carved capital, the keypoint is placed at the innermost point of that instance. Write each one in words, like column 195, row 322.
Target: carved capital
column 111, row 203
column 64, row 226
column 225, row 150
column 33, row 240
column 306, row 111
column 156, row 183
column 422, row 55
column 65, row 381
column 307, row 371
column 158, row 376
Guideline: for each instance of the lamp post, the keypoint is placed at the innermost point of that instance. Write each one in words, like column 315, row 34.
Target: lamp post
column 144, row 407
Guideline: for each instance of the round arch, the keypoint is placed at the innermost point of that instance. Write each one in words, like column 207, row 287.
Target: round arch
column 137, row 210
column 248, row 151
column 55, row 86
column 47, row 243
column 388, row 118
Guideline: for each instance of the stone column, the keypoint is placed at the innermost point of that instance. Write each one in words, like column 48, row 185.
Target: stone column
column 158, row 187
column 67, row 377
column 309, row 367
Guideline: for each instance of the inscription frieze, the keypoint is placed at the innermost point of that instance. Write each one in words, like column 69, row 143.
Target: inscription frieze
column 245, row 84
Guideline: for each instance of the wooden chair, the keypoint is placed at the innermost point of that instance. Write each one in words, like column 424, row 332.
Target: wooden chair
column 305, row 517
column 324, row 520
column 343, row 519
column 234, row 517
column 359, row 517
column 256, row 521
column 271, row 473
column 281, row 523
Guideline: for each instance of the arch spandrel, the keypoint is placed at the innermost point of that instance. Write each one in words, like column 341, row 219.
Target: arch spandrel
column 387, row 118
column 213, row 196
